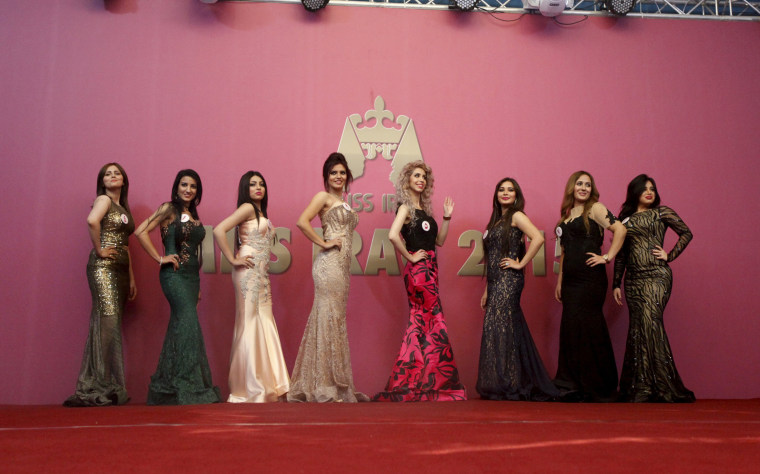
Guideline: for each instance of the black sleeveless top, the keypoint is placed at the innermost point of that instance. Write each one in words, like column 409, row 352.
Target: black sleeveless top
column 420, row 236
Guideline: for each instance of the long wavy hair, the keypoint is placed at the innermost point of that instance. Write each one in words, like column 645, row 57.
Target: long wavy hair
column 636, row 188
column 100, row 189
column 404, row 191
column 504, row 221
column 333, row 159
column 568, row 200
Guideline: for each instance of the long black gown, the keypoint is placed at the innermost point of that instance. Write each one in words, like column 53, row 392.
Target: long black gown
column 649, row 371
column 510, row 367
column 586, row 359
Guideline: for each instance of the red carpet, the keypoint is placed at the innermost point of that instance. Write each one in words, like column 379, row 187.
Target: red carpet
column 472, row 436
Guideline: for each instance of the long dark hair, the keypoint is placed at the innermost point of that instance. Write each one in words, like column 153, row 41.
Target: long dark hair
column 244, row 193
column 506, row 220
column 244, row 196
column 100, row 189
column 568, row 199
column 179, row 206
column 336, row 158
column 636, row 188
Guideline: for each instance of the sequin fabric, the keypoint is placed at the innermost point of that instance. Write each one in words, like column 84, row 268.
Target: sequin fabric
column 649, row 371
column 510, row 367
column 183, row 376
column 257, row 367
column 101, row 378
column 322, row 371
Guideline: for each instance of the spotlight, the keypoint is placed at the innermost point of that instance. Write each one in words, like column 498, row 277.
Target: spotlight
column 464, row 5
column 620, row 7
column 314, row 5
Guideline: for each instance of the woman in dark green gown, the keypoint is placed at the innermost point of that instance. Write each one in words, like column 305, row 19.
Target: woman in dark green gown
column 101, row 379
column 183, row 376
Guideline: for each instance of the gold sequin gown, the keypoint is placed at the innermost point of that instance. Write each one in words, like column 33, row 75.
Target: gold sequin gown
column 101, row 378
column 257, row 367
column 322, row 372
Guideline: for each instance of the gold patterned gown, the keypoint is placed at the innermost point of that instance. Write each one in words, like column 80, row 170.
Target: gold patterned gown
column 322, row 372
column 649, row 372
column 101, row 378
column 257, row 368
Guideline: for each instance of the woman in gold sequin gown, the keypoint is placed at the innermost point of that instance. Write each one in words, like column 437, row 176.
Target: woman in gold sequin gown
column 183, row 376
column 322, row 372
column 257, row 367
column 649, row 371
column 109, row 273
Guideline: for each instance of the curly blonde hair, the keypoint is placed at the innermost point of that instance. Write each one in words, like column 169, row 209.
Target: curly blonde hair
column 404, row 192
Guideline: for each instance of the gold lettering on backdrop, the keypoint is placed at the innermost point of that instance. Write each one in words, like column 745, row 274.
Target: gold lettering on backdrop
column 208, row 258
column 379, row 134
column 473, row 266
column 539, row 261
column 356, row 247
column 382, row 255
column 282, row 254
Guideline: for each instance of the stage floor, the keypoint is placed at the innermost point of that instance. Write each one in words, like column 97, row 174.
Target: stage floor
column 471, row 436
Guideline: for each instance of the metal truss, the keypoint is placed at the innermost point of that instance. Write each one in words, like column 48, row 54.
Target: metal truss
column 731, row 10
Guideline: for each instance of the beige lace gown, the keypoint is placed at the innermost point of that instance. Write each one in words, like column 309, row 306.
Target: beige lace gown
column 322, row 372
column 257, row 367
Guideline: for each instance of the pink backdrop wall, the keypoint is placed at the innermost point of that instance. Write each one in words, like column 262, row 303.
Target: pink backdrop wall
column 163, row 85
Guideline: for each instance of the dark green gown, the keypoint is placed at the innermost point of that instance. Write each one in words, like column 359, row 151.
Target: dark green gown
column 183, row 376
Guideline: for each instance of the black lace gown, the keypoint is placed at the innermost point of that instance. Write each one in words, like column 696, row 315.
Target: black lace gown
column 586, row 360
column 510, row 367
column 649, row 371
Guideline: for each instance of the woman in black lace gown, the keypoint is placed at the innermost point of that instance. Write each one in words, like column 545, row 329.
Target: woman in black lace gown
column 510, row 367
column 649, row 372
column 586, row 361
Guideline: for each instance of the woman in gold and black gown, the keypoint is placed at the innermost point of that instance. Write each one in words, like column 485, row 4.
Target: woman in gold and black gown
column 101, row 379
column 649, row 371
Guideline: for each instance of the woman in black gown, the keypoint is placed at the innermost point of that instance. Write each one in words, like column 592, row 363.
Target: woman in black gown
column 510, row 367
column 649, row 372
column 586, row 361
column 183, row 376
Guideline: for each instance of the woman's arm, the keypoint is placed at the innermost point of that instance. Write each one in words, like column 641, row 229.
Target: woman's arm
column 558, row 288
column 673, row 221
column 143, row 231
column 394, row 235
column 448, row 208
column 318, row 202
column 241, row 214
column 132, row 284
column 602, row 216
column 521, row 221
column 99, row 209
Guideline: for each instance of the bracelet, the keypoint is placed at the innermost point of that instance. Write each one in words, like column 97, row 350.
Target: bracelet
column 160, row 261
column 447, row 218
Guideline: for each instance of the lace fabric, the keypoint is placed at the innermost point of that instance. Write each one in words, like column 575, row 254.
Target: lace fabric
column 322, row 372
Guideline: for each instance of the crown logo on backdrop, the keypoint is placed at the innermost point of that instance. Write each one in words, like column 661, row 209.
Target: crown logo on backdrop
column 379, row 134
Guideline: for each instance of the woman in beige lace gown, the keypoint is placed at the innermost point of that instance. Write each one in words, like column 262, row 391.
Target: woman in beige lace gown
column 257, row 367
column 323, row 367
